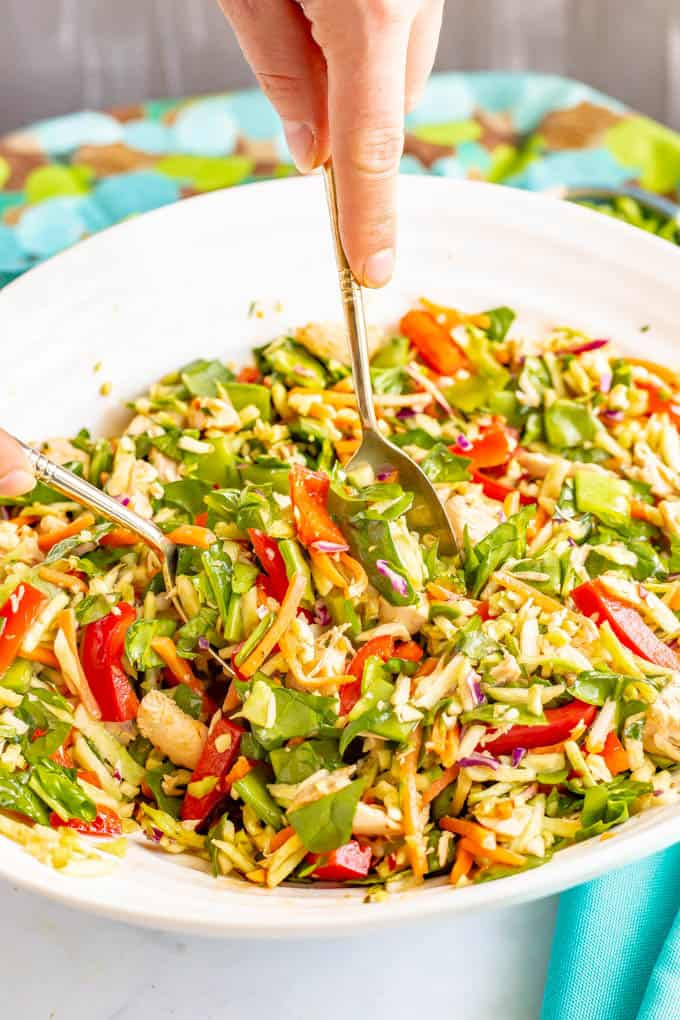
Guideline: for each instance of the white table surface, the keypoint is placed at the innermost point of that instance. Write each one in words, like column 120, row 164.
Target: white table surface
column 59, row 964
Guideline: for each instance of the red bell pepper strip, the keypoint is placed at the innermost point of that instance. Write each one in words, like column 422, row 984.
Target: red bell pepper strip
column 494, row 447
column 593, row 599
column 495, row 490
column 483, row 610
column 16, row 616
column 107, row 823
column 351, row 861
column 349, row 694
column 433, row 341
column 315, row 527
column 219, row 754
column 267, row 552
column 102, row 653
column 249, row 374
column 561, row 722
column 409, row 650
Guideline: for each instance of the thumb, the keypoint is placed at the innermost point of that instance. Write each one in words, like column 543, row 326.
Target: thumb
column 16, row 476
column 276, row 38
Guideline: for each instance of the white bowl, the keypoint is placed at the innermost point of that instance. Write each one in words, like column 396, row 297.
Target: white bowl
column 155, row 292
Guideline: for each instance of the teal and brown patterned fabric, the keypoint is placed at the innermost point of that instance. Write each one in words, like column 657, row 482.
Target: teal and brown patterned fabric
column 68, row 177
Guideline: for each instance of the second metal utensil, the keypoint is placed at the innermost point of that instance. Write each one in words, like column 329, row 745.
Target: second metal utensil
column 427, row 515
column 77, row 489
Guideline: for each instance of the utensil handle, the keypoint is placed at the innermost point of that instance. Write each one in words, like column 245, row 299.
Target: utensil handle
column 69, row 484
column 353, row 306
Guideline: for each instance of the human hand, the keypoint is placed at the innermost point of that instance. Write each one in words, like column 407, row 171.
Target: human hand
column 16, row 476
column 341, row 75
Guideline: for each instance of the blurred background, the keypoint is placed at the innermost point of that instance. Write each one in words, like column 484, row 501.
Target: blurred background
column 65, row 55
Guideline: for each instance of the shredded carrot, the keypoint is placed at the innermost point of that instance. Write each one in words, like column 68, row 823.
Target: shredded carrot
column 52, row 538
column 451, row 749
column 503, row 809
column 499, row 856
column 426, row 667
column 471, row 830
column 231, row 700
column 674, row 600
column 549, row 748
column 45, row 656
column 640, row 511
column 281, row 837
column 615, row 755
column 22, row 519
column 541, row 518
column 433, row 341
column 239, row 769
column 87, row 777
column 258, row 876
column 346, row 448
column 438, row 592
column 119, row 538
column 71, row 667
column 527, row 592
column 166, row 649
column 323, row 563
column 462, row 865
column 452, row 317
column 355, row 572
column 662, row 371
column 339, row 399
column 62, row 580
column 286, row 615
column 192, row 534
column 435, row 788
column 410, row 807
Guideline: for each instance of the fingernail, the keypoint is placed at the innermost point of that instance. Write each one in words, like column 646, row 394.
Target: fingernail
column 16, row 482
column 378, row 268
column 302, row 145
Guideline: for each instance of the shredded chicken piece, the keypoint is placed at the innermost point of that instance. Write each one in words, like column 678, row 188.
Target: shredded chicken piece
column 473, row 511
column 411, row 618
column 329, row 340
column 661, row 733
column 171, row 730
column 370, row 820
column 213, row 413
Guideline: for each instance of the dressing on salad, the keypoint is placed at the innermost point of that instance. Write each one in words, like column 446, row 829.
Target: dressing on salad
column 390, row 713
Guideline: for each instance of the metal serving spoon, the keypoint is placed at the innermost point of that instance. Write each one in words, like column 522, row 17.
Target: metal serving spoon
column 77, row 489
column 427, row 515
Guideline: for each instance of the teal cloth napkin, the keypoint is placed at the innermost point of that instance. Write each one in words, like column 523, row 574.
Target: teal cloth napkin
column 616, row 948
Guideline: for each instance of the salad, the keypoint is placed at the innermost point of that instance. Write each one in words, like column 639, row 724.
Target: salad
column 386, row 713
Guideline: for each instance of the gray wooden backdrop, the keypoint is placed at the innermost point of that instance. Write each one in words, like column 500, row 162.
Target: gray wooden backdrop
column 61, row 55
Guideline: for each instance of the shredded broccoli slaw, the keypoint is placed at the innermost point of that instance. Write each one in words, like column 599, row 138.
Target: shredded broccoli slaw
column 388, row 713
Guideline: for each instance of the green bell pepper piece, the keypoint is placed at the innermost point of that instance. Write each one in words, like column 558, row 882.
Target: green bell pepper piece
column 294, row 362
column 605, row 496
column 568, row 423
column 250, row 394
column 252, row 789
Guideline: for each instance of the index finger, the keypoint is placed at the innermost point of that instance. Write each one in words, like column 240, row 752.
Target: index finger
column 366, row 86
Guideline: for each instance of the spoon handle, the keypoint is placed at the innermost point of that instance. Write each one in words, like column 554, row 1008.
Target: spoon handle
column 77, row 489
column 353, row 305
